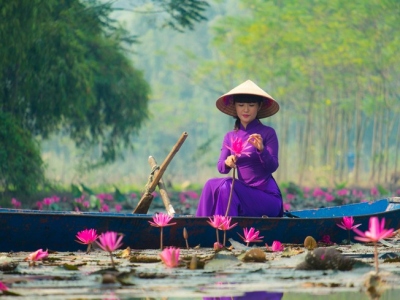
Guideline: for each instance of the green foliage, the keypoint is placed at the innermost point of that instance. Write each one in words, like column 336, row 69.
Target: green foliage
column 21, row 166
column 63, row 67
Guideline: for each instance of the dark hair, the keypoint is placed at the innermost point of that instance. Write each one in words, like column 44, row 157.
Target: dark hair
column 245, row 98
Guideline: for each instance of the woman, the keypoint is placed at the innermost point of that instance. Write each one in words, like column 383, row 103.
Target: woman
column 252, row 150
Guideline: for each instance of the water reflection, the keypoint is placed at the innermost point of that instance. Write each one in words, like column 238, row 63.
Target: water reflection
column 261, row 295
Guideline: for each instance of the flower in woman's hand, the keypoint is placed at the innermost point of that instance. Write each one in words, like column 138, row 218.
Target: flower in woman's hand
column 161, row 220
column 251, row 236
column 109, row 241
column 36, row 256
column 87, row 237
column 348, row 223
column 170, row 257
column 238, row 147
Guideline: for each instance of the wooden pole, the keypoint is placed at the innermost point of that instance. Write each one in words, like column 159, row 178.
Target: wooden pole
column 147, row 198
column 161, row 188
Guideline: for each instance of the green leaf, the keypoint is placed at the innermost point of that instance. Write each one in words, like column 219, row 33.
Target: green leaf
column 76, row 192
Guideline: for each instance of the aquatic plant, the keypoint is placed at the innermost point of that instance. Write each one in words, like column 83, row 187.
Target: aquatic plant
column 15, row 203
column 87, row 237
column 275, row 247
column 226, row 225
column 348, row 224
column 376, row 231
column 3, row 287
column 109, row 241
column 216, row 222
column 36, row 256
column 170, row 257
column 251, row 236
column 161, row 220
column 238, row 148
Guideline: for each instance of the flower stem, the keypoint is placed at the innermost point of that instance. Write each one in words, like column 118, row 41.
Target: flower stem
column 348, row 238
column 112, row 261
column 216, row 232
column 230, row 194
column 224, row 237
column 376, row 258
column 161, row 238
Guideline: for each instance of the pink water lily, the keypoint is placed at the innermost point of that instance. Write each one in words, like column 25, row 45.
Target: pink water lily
column 36, row 256
column 226, row 225
column 375, row 232
column 238, row 147
column 348, row 224
column 161, row 220
column 216, row 222
column 87, row 237
column 251, row 236
column 277, row 246
column 3, row 287
column 109, row 241
column 170, row 257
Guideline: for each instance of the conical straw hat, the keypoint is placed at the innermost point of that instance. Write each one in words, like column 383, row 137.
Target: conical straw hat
column 269, row 106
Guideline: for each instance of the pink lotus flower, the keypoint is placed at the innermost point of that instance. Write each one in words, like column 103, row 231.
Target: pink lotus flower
column 87, row 237
column 342, row 192
column 286, row 206
column 290, row 197
column 226, row 225
column 3, row 287
column 276, row 246
column 36, row 256
column 347, row 223
column 110, row 242
column 15, row 203
column 238, row 147
column 374, row 191
column 161, row 220
column 218, row 246
column 375, row 233
column 170, row 257
column 251, row 235
column 216, row 222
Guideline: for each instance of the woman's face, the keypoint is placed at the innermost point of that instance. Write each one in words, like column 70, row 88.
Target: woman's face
column 247, row 112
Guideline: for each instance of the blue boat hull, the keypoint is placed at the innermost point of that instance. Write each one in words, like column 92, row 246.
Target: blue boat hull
column 29, row 230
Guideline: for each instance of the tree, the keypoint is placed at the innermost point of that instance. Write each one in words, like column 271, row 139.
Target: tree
column 63, row 68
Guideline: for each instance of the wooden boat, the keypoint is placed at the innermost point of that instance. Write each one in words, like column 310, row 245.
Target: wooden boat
column 29, row 230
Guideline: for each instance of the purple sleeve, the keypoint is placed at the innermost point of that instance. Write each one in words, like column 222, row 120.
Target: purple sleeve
column 269, row 156
column 225, row 152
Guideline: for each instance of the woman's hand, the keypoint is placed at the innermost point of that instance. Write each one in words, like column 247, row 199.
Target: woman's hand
column 230, row 161
column 257, row 141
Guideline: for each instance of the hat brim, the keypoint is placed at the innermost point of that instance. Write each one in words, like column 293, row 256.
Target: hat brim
column 268, row 108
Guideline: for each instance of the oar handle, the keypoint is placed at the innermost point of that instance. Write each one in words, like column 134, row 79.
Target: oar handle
column 166, row 162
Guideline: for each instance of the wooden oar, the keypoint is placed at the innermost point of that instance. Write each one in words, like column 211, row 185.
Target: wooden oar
column 161, row 188
column 147, row 198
